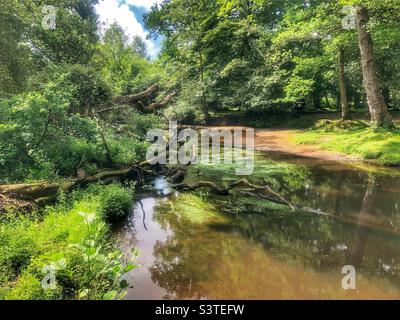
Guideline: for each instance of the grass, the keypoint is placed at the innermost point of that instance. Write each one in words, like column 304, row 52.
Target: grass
column 62, row 253
column 379, row 147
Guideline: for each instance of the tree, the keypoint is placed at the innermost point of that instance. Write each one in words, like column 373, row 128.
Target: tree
column 28, row 48
column 184, row 23
column 75, row 35
column 222, row 45
column 15, row 55
column 123, row 63
column 376, row 102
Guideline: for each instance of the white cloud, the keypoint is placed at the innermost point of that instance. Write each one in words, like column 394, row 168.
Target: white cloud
column 111, row 11
column 147, row 4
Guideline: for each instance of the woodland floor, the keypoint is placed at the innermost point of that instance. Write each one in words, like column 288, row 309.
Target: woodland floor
column 282, row 140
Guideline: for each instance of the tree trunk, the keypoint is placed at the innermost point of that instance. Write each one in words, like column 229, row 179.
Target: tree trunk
column 377, row 106
column 338, row 101
column 328, row 104
column 386, row 95
column 203, row 93
column 342, row 88
column 317, row 99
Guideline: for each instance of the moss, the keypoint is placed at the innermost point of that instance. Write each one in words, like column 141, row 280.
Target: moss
column 377, row 147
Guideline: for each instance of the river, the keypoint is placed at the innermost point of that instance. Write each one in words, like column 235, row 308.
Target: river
column 201, row 246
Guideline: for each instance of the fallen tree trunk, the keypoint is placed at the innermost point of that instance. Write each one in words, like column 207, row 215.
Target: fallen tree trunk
column 29, row 191
column 133, row 99
column 35, row 191
column 139, row 105
column 278, row 201
column 254, row 191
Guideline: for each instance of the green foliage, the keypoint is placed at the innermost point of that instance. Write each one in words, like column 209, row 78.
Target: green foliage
column 188, row 108
column 27, row 47
column 74, row 38
column 28, row 288
column 115, row 202
column 123, row 64
column 16, row 64
column 38, row 136
column 17, row 248
column 125, row 150
column 72, row 239
column 298, row 88
column 89, row 92
column 140, row 124
column 278, row 55
column 51, row 132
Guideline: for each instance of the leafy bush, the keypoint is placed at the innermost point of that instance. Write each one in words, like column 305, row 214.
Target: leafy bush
column 115, row 202
column 16, row 249
column 42, row 136
column 142, row 123
column 127, row 151
column 28, row 288
column 41, row 139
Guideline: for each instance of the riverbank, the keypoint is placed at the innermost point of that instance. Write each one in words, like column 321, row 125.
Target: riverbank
column 285, row 141
column 381, row 148
column 299, row 136
column 65, row 251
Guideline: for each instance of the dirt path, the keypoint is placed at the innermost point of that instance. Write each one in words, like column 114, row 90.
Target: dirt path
column 280, row 140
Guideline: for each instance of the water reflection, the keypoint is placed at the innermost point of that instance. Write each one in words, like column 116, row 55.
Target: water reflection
column 251, row 249
column 357, row 251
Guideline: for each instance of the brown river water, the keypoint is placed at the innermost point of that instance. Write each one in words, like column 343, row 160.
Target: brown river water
column 200, row 246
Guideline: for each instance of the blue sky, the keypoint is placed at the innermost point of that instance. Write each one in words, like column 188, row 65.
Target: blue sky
column 129, row 14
